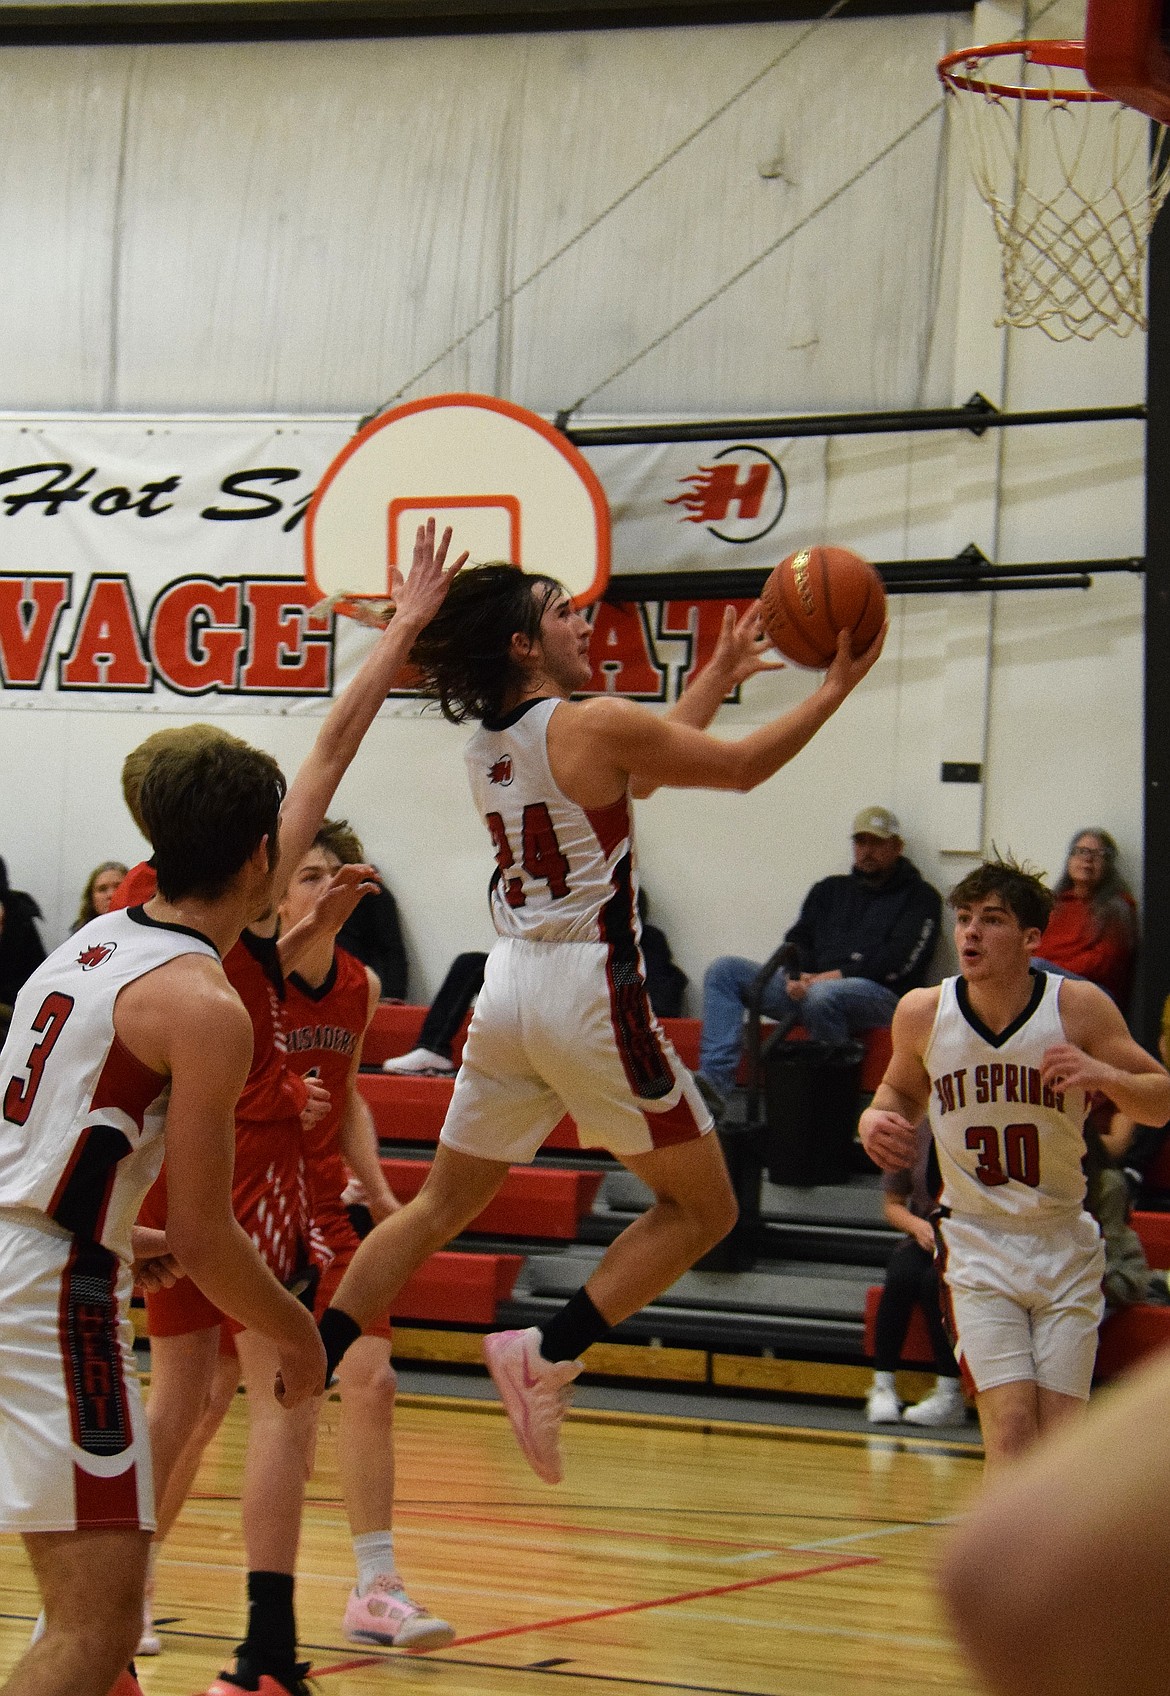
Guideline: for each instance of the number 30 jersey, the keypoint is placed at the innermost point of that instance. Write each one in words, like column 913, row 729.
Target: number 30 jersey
column 1009, row 1145
column 562, row 872
column 81, row 1117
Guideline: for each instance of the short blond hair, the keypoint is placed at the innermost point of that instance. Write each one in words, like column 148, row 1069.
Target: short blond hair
column 184, row 737
column 339, row 838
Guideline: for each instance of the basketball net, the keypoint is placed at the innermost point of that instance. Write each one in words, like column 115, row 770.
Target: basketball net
column 1073, row 181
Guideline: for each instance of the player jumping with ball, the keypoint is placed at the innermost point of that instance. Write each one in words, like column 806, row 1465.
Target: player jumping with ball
column 563, row 1022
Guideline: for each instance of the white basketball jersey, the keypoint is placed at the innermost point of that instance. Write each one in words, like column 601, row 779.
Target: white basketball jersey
column 81, row 1118
column 1008, row 1144
column 563, row 874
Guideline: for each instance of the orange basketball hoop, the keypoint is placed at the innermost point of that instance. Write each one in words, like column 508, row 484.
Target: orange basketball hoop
column 1071, row 180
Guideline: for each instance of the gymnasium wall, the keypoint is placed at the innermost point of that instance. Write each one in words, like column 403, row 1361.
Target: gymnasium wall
column 302, row 228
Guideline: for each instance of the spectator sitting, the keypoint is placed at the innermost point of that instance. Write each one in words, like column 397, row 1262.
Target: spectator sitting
column 1093, row 929
column 908, row 1200
column 861, row 941
column 98, row 893
column 21, row 948
column 665, row 983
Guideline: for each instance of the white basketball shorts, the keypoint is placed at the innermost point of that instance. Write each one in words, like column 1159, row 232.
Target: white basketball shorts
column 558, row 1029
column 1026, row 1303
column 74, row 1451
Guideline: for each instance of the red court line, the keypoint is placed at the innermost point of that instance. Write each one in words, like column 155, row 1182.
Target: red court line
column 628, row 1608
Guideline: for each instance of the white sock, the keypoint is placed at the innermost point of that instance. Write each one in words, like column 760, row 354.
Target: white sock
column 374, row 1554
column 883, row 1380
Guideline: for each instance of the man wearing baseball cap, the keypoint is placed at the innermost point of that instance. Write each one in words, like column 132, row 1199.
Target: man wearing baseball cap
column 862, row 940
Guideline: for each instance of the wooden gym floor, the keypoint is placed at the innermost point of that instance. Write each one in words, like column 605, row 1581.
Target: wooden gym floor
column 677, row 1555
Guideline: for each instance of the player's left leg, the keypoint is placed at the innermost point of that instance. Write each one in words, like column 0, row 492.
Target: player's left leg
column 457, row 1187
column 379, row 1610
column 1009, row 1418
column 277, row 1462
column 694, row 1208
column 91, row 1583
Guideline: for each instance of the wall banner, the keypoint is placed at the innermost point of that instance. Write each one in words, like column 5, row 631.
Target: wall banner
column 157, row 564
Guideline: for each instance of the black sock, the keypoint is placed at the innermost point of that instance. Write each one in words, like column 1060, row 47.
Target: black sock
column 338, row 1331
column 270, row 1644
column 570, row 1332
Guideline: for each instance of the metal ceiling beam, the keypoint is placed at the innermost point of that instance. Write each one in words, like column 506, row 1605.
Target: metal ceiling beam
column 119, row 22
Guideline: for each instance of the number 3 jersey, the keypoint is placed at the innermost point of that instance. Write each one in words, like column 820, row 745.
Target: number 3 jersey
column 1009, row 1145
column 562, row 871
column 81, row 1118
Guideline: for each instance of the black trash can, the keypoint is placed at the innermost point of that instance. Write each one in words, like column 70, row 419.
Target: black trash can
column 812, row 1099
column 744, row 1150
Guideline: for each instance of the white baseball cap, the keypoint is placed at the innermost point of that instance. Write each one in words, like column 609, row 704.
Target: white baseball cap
column 877, row 821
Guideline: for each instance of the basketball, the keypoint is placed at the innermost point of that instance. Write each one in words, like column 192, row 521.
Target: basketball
column 814, row 594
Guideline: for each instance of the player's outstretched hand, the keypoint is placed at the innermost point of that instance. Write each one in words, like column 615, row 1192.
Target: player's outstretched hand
column 1065, row 1066
column 848, row 669
column 420, row 596
column 887, row 1138
column 347, row 886
column 744, row 647
column 301, row 1372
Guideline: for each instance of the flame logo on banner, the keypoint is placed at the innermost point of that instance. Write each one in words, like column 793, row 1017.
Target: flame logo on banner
column 745, row 478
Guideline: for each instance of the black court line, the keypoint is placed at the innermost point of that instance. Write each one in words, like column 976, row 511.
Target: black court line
column 542, row 1670
column 622, row 1509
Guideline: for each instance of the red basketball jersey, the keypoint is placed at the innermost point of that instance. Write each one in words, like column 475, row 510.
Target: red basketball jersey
column 138, row 886
column 323, row 1030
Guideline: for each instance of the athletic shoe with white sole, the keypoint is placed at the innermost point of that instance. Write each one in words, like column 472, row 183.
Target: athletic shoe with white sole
column 882, row 1406
column 421, row 1063
column 535, row 1393
column 386, row 1615
column 946, row 1405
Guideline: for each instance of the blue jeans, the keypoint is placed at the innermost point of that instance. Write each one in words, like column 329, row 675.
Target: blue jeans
column 832, row 1011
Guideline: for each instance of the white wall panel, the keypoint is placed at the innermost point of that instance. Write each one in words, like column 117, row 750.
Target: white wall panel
column 303, row 226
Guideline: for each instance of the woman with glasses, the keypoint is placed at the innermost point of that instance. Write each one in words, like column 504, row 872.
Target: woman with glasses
column 1093, row 929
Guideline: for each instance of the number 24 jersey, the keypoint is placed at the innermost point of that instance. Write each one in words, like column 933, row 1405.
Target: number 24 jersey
column 1009, row 1145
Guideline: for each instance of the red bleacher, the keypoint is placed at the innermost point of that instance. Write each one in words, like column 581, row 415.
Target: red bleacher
column 458, row 1288
column 533, row 1201
column 1154, row 1231
column 396, row 1024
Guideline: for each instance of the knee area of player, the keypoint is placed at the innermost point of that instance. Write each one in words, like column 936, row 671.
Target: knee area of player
column 711, row 1213
column 367, row 1376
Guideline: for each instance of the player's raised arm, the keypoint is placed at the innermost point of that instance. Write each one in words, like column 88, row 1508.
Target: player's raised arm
column 742, row 650
column 651, row 750
column 1102, row 1056
column 416, row 602
column 186, row 1021
column 886, row 1128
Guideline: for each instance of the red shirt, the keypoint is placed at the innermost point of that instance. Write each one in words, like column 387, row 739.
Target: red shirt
column 268, row 1191
column 1076, row 939
column 138, row 886
column 324, row 1029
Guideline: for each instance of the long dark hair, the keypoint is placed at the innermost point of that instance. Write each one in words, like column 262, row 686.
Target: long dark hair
column 465, row 652
column 1111, row 903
